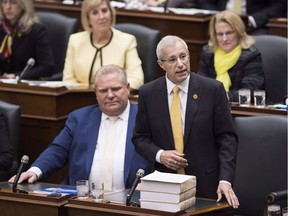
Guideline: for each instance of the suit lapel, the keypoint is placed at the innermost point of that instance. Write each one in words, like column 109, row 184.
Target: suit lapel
column 129, row 147
column 193, row 98
column 162, row 98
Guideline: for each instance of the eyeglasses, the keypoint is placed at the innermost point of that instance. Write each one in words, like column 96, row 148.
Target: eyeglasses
column 183, row 57
column 9, row 1
column 228, row 33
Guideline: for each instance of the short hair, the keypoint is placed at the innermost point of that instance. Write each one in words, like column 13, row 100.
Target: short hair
column 111, row 69
column 89, row 5
column 166, row 41
column 27, row 19
column 236, row 23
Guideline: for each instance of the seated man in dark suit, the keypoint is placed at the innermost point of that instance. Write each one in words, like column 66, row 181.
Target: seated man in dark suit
column 82, row 142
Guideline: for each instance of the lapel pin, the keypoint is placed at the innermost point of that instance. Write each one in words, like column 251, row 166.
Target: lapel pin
column 195, row 96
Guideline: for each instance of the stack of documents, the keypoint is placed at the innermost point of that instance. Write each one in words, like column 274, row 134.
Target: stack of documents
column 167, row 191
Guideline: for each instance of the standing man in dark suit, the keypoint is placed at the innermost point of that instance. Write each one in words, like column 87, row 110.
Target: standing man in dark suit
column 82, row 142
column 210, row 143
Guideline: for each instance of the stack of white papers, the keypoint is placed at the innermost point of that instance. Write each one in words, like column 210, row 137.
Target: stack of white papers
column 167, row 191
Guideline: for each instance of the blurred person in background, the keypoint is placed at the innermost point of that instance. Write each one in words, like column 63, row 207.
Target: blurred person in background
column 259, row 11
column 101, row 44
column 22, row 38
column 230, row 55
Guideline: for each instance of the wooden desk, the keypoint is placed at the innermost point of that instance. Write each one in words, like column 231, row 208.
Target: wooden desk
column 255, row 111
column 44, row 111
column 117, row 207
column 278, row 26
column 15, row 204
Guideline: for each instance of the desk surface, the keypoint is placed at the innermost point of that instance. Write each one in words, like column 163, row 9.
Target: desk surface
column 117, row 202
column 237, row 110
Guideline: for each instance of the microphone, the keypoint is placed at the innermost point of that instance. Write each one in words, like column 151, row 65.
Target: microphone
column 165, row 6
column 139, row 174
column 29, row 65
column 24, row 161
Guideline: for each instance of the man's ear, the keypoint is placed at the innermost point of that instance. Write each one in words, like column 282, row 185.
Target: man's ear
column 160, row 63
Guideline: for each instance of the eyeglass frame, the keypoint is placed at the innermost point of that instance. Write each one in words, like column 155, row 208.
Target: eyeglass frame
column 173, row 60
column 227, row 34
column 11, row 2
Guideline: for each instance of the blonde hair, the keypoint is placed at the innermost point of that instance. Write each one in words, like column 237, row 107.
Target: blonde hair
column 89, row 5
column 27, row 19
column 236, row 23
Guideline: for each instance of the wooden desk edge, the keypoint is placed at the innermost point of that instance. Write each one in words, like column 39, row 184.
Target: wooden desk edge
column 121, row 207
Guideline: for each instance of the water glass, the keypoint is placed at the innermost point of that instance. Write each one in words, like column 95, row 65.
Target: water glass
column 244, row 97
column 274, row 210
column 97, row 191
column 82, row 187
column 259, row 98
column 285, row 211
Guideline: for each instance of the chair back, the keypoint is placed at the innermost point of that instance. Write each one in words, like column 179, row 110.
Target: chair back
column 147, row 40
column 59, row 28
column 261, row 161
column 12, row 114
column 274, row 55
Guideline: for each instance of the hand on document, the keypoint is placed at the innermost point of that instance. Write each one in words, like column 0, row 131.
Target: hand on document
column 173, row 160
column 226, row 189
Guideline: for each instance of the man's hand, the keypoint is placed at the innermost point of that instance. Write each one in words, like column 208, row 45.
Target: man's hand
column 9, row 76
column 173, row 160
column 226, row 189
column 30, row 176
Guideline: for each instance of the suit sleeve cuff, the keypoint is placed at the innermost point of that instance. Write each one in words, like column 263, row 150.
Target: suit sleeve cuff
column 158, row 155
column 225, row 182
column 37, row 171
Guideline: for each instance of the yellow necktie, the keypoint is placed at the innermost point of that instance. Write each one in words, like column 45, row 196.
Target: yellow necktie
column 176, row 122
column 238, row 6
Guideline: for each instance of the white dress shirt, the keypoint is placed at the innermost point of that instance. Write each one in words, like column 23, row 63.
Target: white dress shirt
column 119, row 151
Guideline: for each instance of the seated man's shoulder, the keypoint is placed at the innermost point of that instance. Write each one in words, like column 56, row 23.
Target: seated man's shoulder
column 85, row 110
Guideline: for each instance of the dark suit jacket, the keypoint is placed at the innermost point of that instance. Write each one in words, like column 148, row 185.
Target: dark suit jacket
column 246, row 73
column 261, row 10
column 210, row 143
column 6, row 154
column 33, row 44
column 76, row 145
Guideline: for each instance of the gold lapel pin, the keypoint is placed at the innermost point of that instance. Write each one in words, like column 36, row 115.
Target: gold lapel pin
column 195, row 96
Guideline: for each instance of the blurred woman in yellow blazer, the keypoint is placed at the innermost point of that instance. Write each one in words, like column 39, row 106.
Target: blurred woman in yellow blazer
column 101, row 44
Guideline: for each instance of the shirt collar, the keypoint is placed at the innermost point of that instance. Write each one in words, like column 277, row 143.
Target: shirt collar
column 183, row 86
column 124, row 115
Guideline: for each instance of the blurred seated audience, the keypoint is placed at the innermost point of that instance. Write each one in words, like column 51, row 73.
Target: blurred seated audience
column 6, row 153
column 230, row 55
column 22, row 37
column 101, row 44
column 259, row 11
column 82, row 143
